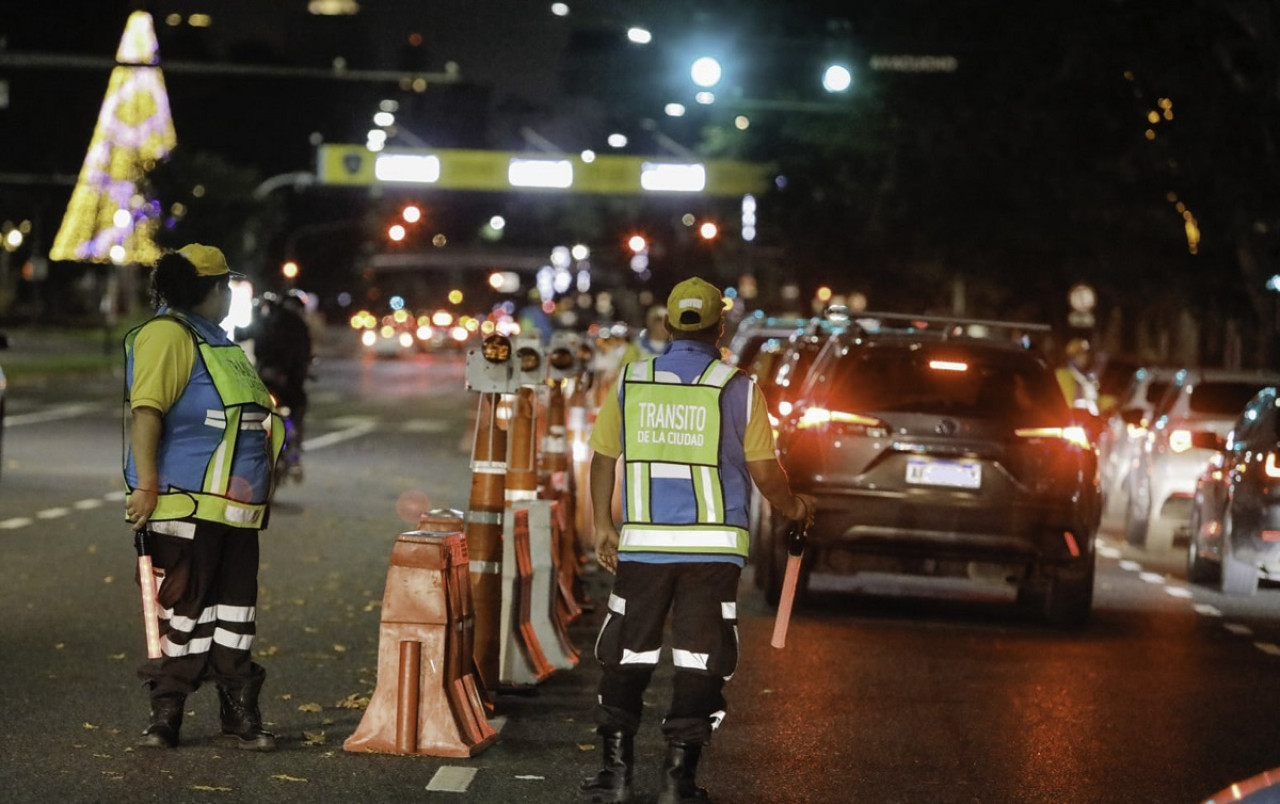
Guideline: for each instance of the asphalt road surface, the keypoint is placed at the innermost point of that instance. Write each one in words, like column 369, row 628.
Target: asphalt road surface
column 889, row 691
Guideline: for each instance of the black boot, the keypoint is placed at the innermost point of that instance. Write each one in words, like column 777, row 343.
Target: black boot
column 678, row 772
column 613, row 782
column 166, row 720
column 241, row 719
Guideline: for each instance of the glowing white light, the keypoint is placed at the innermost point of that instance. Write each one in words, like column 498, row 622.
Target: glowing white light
column 588, row 156
column 241, row 312
column 674, row 109
column 560, row 9
column 376, row 135
column 553, row 173
column 384, row 119
column 580, row 252
column 497, row 223
column 560, row 258
column 705, row 98
column 562, row 281
column 117, row 254
column 617, row 140
column 584, row 281
column 418, row 168
column 640, row 36
column 705, row 72
column 121, row 219
column 673, row 177
column 837, row 78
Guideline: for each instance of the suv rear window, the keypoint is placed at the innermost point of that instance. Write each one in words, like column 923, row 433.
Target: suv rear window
column 1223, row 398
column 884, row 380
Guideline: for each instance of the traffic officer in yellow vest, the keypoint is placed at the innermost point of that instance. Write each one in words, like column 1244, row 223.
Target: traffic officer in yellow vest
column 203, row 445
column 693, row 433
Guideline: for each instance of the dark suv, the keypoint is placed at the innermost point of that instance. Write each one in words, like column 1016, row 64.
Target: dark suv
column 941, row 447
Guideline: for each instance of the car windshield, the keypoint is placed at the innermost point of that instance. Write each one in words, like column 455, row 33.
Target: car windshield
column 1155, row 390
column 1223, row 398
column 891, row 380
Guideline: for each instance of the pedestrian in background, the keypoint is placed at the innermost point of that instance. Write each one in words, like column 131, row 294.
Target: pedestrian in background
column 203, row 443
column 693, row 433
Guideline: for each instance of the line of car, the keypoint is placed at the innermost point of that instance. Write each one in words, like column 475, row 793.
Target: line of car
column 1190, row 459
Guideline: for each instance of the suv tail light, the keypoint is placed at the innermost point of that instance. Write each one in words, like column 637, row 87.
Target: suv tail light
column 1072, row 434
column 823, row 420
column 1181, row 440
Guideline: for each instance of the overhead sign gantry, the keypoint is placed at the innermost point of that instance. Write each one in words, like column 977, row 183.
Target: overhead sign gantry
column 510, row 171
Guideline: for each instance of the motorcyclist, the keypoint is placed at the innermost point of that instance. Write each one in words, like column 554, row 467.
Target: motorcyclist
column 283, row 348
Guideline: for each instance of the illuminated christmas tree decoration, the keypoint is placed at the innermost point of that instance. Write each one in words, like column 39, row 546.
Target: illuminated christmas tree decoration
column 109, row 219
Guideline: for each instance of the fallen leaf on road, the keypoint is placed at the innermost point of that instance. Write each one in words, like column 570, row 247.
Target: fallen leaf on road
column 313, row 737
column 88, row 726
column 204, row 788
column 339, row 648
column 586, row 747
column 119, row 657
column 354, row 701
column 528, row 778
column 284, row 777
column 311, row 707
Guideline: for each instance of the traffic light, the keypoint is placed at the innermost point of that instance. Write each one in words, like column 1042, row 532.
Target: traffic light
column 289, row 270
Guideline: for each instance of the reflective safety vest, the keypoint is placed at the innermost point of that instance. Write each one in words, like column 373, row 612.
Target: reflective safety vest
column 221, row 438
column 674, row 500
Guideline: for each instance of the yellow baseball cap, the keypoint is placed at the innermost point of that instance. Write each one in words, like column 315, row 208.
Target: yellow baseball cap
column 208, row 260
column 694, row 304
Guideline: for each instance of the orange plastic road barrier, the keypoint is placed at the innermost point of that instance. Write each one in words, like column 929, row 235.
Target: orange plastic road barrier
column 546, row 609
column 559, row 486
column 579, row 430
column 523, row 660
column 426, row 701
column 484, row 535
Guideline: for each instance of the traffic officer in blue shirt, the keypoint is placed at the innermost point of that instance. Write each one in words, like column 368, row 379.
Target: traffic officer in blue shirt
column 693, row 433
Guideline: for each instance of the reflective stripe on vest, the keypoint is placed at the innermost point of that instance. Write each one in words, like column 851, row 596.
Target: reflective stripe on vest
column 672, row 432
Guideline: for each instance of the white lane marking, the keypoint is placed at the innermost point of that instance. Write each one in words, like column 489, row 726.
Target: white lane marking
column 1268, row 648
column 1151, row 577
column 338, row 436
column 86, row 505
column 1207, row 610
column 52, row 513
column 52, row 414
column 452, row 779
column 114, row 496
column 1239, row 629
column 425, row 426
column 1178, row 591
column 1130, row 566
column 16, row 522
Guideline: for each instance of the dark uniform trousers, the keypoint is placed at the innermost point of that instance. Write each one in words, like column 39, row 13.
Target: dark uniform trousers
column 701, row 599
column 210, row 591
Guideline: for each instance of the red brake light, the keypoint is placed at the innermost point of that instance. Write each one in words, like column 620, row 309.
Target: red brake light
column 1072, row 434
column 822, row 418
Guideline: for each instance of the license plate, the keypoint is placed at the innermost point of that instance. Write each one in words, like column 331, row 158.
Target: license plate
column 953, row 474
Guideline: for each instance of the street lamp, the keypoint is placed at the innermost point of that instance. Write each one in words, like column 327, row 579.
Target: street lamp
column 706, row 72
column 837, row 78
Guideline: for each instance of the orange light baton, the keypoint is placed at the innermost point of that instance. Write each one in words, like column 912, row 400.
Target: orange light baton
column 147, row 580
column 796, row 533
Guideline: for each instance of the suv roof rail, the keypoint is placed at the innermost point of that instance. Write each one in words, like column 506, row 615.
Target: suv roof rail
column 949, row 326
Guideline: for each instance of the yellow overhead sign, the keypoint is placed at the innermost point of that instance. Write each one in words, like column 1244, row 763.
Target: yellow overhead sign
column 510, row 171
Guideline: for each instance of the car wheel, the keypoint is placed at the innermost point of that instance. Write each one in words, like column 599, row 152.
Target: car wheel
column 1238, row 577
column 1199, row 569
column 1135, row 521
column 1069, row 599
